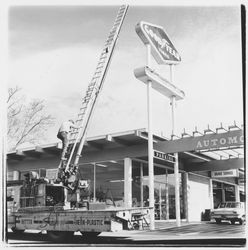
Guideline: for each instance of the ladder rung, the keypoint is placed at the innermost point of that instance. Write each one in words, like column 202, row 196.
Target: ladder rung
column 118, row 19
column 103, row 55
column 99, row 67
column 109, row 41
column 101, row 62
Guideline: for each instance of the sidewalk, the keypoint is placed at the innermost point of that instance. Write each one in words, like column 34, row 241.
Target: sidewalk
column 164, row 224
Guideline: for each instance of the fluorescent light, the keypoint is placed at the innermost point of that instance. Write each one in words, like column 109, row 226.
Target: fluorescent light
column 113, row 161
column 116, row 181
column 101, row 165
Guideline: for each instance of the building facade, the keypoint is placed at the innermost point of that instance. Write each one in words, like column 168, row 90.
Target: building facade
column 116, row 168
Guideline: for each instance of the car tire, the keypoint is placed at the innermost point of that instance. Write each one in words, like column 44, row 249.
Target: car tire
column 60, row 236
column 232, row 222
column 218, row 221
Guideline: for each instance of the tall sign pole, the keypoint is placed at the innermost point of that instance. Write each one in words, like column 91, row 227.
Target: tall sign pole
column 176, row 167
column 159, row 45
column 150, row 142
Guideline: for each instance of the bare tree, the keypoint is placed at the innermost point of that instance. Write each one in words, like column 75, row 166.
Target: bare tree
column 27, row 121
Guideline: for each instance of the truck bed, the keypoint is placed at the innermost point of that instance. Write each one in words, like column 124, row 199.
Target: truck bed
column 57, row 219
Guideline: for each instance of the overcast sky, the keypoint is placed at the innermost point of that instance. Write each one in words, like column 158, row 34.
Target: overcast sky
column 53, row 52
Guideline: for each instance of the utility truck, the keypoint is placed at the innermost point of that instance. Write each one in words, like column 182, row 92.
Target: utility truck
column 61, row 211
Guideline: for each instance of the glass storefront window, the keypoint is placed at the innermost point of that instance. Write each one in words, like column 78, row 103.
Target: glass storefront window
column 109, row 183
column 164, row 195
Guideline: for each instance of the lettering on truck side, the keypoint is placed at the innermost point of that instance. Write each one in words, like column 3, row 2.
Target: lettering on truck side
column 89, row 222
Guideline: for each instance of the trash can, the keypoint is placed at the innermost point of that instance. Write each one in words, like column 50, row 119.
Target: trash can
column 207, row 216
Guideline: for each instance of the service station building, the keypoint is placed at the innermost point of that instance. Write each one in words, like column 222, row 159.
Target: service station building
column 211, row 170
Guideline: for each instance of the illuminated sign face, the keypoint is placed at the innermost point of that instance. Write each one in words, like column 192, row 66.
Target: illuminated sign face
column 161, row 47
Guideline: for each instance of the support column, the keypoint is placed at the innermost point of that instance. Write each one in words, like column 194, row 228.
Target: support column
column 128, row 182
column 211, row 195
column 141, row 185
column 223, row 193
column 237, row 195
column 94, row 191
column 177, row 190
column 186, row 195
column 160, row 201
column 167, row 196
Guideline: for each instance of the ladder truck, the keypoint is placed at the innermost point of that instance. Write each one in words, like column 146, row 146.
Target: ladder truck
column 45, row 207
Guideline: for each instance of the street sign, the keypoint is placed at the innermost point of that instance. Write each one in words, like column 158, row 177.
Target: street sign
column 162, row 48
column 227, row 173
column 163, row 156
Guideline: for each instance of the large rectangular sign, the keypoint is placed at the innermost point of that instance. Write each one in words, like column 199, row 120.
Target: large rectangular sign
column 229, row 139
column 226, row 173
column 162, row 48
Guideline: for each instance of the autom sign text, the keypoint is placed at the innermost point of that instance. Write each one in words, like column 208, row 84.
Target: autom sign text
column 229, row 139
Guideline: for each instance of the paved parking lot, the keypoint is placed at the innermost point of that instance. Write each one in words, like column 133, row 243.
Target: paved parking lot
column 166, row 234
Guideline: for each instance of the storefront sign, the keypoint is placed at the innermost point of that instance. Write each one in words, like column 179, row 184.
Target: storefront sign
column 163, row 156
column 227, row 173
column 219, row 142
column 161, row 47
column 228, row 139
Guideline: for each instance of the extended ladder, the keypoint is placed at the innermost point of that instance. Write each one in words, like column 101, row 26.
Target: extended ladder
column 89, row 101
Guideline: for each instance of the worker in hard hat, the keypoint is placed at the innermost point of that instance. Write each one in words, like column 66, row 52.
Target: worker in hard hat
column 63, row 135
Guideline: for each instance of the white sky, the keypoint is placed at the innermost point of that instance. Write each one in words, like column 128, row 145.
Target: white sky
column 53, row 52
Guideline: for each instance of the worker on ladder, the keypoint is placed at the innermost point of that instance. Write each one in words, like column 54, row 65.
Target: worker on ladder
column 63, row 135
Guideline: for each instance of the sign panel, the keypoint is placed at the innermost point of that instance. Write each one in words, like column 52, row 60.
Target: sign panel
column 227, row 173
column 230, row 139
column 163, row 156
column 162, row 48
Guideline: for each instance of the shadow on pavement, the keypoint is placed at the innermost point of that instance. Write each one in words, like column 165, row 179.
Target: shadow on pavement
column 39, row 238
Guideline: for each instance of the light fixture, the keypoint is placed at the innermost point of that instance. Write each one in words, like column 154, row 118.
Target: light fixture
column 101, row 165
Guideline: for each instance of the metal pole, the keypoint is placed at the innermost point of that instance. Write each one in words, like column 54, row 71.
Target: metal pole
column 167, row 195
column 150, row 143
column 141, row 186
column 94, row 191
column 176, row 168
column 160, row 202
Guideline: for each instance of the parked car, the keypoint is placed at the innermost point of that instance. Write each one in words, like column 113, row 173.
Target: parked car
column 230, row 211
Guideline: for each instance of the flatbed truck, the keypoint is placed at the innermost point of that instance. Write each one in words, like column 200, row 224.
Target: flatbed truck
column 60, row 220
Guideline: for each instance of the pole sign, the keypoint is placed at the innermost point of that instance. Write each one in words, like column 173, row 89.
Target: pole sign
column 163, row 156
column 162, row 48
column 227, row 173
